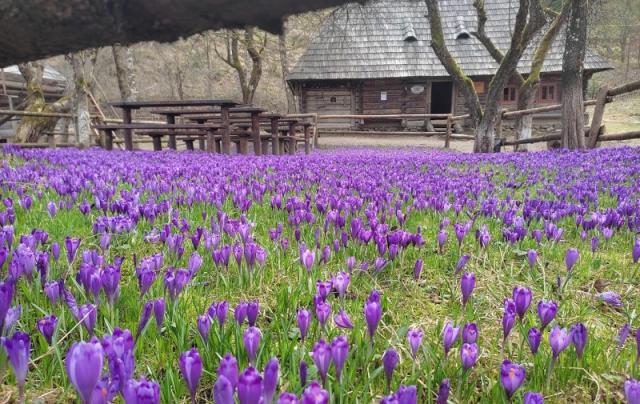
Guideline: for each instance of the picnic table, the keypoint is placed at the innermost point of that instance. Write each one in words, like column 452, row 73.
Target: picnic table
column 128, row 107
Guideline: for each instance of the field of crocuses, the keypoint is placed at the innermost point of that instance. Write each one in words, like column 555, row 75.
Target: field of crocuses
column 352, row 276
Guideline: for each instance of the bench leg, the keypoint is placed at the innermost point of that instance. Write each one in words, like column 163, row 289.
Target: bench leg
column 265, row 147
column 201, row 144
column 292, row 146
column 243, row 146
column 210, row 141
column 173, row 145
column 307, row 140
column 189, row 144
column 108, row 140
column 218, row 145
column 157, row 143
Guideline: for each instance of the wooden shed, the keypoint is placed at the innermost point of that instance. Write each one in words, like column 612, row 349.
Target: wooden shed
column 376, row 58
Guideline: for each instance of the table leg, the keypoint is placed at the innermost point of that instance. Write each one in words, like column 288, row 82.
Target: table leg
column 189, row 143
column 226, row 135
column 128, row 133
column 173, row 145
column 307, row 139
column 210, row 140
column 243, row 145
column 275, row 137
column 255, row 132
column 218, row 145
column 292, row 139
column 265, row 147
column 157, row 143
column 201, row 143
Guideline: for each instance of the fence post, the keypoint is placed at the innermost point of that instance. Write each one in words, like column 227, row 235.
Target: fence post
column 598, row 114
column 447, row 140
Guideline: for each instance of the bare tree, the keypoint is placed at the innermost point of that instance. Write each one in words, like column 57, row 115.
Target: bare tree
column 528, row 86
column 529, row 20
column 572, row 77
column 82, row 64
column 292, row 106
column 31, row 128
column 244, row 53
column 125, row 71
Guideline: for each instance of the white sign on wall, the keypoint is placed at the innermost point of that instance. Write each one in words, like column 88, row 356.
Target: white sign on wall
column 417, row 89
column 383, row 96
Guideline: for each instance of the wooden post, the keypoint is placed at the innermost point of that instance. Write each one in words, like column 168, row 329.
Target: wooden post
column 292, row 138
column 128, row 133
column 226, row 134
column 316, row 131
column 201, row 143
column 265, row 146
column 283, row 143
column 108, row 140
column 242, row 145
column 173, row 145
column 157, row 142
column 307, row 138
column 275, row 136
column 255, row 133
column 211, row 140
column 447, row 140
column 499, row 127
column 598, row 114
column 51, row 139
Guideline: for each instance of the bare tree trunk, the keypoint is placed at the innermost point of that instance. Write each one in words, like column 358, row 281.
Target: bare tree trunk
column 82, row 84
column 524, row 123
column 284, row 63
column 31, row 128
column 572, row 77
column 125, row 72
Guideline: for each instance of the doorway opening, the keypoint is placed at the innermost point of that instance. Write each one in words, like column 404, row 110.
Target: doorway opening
column 441, row 97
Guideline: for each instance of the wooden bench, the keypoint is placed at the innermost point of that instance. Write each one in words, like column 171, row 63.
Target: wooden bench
column 168, row 129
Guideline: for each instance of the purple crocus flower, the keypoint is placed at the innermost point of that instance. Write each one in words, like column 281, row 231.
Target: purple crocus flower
column 118, row 348
column 635, row 251
column 449, row 337
column 17, row 348
column 251, row 340
column 417, row 269
column 307, row 259
column 414, row 336
column 508, row 318
column 390, row 360
column 579, row 338
column 534, row 337
column 470, row 333
column 51, row 290
column 110, row 281
column 351, row 262
column 145, row 316
column 71, row 245
column 228, row 368
column 443, row 392
column 342, row 320
column 51, row 208
column 373, row 312
column 204, row 326
column 270, row 380
column 158, row 312
column 6, row 297
column 223, row 391
column 559, row 339
column 468, row 355
column 522, row 298
column 141, row 391
column 304, row 321
column 467, row 284
column 511, row 376
column 191, row 369
column 611, row 298
column 55, row 250
column 461, row 263
column 315, row 394
column 341, row 282
column 175, row 281
column 532, row 257
column 442, row 239
column 47, row 326
column 623, row 335
column 546, row 312
column 322, row 358
column 571, row 258
column 632, row 391
column 595, row 242
column 532, row 397
column 323, row 312
column 84, row 367
column 87, row 314
column 253, row 308
column 302, row 371
column 240, row 312
column 250, row 386
column 339, row 353
column 287, row 398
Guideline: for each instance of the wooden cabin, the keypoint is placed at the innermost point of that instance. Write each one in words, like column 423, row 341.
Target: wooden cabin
column 376, row 58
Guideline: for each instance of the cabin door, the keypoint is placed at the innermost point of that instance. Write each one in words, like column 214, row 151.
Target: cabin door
column 441, row 97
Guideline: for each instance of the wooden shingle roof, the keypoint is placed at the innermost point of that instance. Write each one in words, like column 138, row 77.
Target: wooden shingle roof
column 391, row 39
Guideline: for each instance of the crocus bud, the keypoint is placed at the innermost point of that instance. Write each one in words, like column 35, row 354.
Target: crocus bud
column 532, row 397
column 635, row 251
column 341, row 282
column 191, row 369
column 339, row 353
column 141, row 392
column 449, row 337
column 390, row 360
column 322, row 358
column 252, row 312
column 71, row 244
column 415, row 340
column 468, row 355
column 250, row 386
column 223, row 391
column 632, row 391
column 323, row 312
column 229, row 369
column 342, row 320
column 546, row 312
column 147, row 310
column 17, row 348
column 303, row 373
column 158, row 312
column 251, row 340
column 417, row 269
column 307, row 258
column 522, row 298
column 372, row 313
column 470, row 333
column 304, row 320
column 443, row 392
column 55, row 250
column 47, row 327
column 287, row 398
column 315, row 394
column 204, row 326
column 461, row 263
column 467, row 284
column 508, row 318
column 559, row 339
column 571, row 258
column 511, row 376
column 84, row 367
column 534, row 336
column 270, row 381
column 579, row 338
column 532, row 257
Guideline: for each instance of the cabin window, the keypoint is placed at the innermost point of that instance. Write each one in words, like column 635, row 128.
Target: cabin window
column 548, row 93
column 479, row 86
column 510, row 94
column 334, row 100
